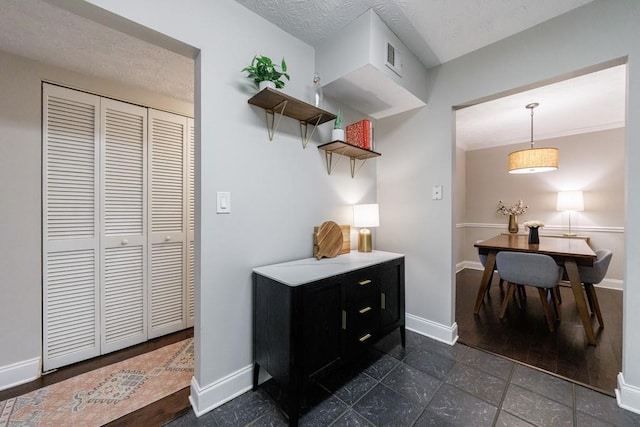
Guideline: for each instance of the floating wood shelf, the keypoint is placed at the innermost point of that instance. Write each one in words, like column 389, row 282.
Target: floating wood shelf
column 277, row 104
column 343, row 149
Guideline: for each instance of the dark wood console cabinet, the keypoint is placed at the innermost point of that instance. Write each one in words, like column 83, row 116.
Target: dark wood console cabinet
column 310, row 314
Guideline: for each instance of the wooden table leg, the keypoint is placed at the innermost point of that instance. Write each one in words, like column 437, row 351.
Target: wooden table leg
column 574, row 278
column 489, row 266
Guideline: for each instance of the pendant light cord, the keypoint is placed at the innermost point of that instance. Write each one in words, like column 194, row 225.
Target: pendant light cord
column 531, row 107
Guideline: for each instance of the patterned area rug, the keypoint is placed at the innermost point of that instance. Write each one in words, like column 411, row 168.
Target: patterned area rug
column 105, row 394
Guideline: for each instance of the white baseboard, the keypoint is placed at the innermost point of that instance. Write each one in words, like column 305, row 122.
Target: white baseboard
column 628, row 396
column 205, row 399
column 437, row 331
column 19, row 373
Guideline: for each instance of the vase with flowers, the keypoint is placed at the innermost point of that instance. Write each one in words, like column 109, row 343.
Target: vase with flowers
column 513, row 211
column 533, row 226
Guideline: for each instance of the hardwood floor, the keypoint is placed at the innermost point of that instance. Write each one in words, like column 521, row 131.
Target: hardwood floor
column 523, row 334
column 157, row 413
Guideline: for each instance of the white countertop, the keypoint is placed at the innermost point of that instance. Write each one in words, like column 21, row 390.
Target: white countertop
column 307, row 270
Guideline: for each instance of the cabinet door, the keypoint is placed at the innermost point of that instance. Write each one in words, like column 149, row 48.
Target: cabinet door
column 320, row 332
column 123, row 248
column 70, row 226
column 167, row 233
column 392, row 294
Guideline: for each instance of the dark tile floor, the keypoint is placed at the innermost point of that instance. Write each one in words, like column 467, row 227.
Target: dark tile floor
column 428, row 383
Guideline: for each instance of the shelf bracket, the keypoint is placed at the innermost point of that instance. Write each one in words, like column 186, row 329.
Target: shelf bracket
column 329, row 158
column 303, row 130
column 273, row 112
column 354, row 171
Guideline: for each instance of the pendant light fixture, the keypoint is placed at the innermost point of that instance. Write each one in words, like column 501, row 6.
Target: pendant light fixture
column 533, row 160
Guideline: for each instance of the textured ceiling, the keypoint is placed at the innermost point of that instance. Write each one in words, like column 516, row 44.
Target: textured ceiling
column 46, row 33
column 436, row 31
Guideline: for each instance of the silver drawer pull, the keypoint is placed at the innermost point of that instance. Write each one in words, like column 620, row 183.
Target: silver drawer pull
column 344, row 319
column 364, row 310
column 365, row 337
column 364, row 282
column 383, row 301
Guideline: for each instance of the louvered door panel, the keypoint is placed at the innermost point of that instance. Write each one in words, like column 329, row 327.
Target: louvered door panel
column 191, row 221
column 123, row 213
column 70, row 226
column 168, row 214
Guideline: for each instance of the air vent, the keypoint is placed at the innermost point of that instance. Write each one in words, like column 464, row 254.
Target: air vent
column 393, row 59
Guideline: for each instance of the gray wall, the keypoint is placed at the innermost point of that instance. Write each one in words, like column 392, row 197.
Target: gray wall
column 591, row 162
column 21, row 195
column 420, row 152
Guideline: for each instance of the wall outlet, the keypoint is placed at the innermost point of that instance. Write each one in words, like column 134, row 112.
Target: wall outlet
column 436, row 192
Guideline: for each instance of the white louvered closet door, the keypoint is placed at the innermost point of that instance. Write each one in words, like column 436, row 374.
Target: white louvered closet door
column 191, row 221
column 124, row 225
column 70, row 226
column 167, row 230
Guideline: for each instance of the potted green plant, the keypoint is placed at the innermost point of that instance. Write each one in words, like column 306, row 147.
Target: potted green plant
column 337, row 134
column 265, row 73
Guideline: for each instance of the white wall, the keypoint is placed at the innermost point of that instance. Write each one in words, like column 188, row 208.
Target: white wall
column 419, row 152
column 279, row 191
column 20, row 201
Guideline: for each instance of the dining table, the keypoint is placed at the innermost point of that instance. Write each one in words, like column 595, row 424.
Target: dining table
column 567, row 252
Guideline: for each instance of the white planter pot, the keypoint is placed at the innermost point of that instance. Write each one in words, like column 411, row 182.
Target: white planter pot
column 266, row 83
column 337, row 134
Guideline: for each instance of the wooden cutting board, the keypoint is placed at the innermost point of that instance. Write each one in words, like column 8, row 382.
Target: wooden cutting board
column 328, row 240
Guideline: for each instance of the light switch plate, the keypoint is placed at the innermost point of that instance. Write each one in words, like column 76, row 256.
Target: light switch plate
column 436, row 192
column 223, row 202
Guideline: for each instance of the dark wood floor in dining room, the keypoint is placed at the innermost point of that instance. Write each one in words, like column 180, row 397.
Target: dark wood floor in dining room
column 523, row 334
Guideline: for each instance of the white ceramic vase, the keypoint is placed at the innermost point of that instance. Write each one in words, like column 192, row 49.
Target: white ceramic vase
column 337, row 134
column 266, row 83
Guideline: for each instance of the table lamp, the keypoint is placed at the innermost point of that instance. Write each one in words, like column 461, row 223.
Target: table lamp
column 365, row 216
column 570, row 201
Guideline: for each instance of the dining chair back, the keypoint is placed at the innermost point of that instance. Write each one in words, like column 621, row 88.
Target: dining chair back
column 590, row 276
column 531, row 269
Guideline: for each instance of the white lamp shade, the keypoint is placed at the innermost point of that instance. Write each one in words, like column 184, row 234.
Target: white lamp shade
column 366, row 215
column 570, row 201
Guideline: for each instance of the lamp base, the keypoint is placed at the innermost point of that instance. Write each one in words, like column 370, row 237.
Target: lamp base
column 364, row 240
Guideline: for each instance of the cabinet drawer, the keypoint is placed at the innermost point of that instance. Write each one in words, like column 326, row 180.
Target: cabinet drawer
column 362, row 290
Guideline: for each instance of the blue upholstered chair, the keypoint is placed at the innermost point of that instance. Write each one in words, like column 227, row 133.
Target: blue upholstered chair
column 530, row 269
column 590, row 276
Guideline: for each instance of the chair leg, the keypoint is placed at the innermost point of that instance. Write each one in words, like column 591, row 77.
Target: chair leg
column 592, row 297
column 522, row 295
column 558, row 294
column 511, row 288
column 554, row 292
column 546, row 308
column 500, row 283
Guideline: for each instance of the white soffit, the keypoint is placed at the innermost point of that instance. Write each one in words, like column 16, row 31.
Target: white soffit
column 588, row 103
column 388, row 98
